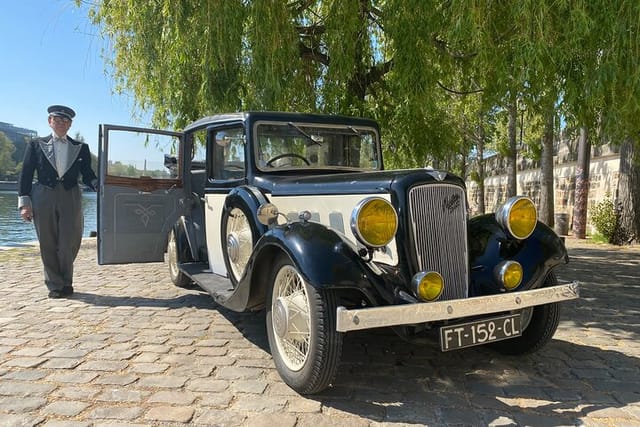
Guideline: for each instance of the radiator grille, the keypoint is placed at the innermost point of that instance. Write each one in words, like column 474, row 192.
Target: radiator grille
column 438, row 218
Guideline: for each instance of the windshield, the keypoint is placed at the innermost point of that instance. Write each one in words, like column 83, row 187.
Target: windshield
column 292, row 145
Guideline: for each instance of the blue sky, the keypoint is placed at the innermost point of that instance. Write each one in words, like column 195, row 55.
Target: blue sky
column 52, row 54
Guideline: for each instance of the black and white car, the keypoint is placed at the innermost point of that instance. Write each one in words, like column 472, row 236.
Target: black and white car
column 295, row 214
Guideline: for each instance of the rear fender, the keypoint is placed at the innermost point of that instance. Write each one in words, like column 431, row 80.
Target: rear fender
column 186, row 251
column 323, row 258
column 489, row 245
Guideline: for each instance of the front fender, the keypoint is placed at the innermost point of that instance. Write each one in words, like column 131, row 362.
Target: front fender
column 489, row 245
column 323, row 258
column 250, row 197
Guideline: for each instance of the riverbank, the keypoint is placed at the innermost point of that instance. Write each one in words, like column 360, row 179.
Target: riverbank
column 14, row 232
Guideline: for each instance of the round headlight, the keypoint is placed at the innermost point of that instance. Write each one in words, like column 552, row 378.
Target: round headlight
column 374, row 222
column 509, row 273
column 518, row 216
column 427, row 285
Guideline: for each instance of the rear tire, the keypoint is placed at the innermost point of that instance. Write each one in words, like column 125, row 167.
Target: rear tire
column 301, row 327
column 178, row 278
column 539, row 330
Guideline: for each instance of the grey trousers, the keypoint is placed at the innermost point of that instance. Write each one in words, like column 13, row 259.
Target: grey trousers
column 59, row 222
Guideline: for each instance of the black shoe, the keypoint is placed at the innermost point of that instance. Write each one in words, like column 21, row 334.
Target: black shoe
column 67, row 291
column 56, row 294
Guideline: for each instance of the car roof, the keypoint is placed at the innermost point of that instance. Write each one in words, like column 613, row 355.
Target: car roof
column 280, row 116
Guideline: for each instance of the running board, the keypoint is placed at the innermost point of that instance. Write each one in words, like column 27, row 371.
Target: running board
column 219, row 287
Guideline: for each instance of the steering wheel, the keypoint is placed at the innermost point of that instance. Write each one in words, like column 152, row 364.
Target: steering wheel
column 282, row 156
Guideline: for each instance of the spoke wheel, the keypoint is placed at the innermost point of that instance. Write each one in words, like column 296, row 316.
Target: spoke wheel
column 177, row 276
column 301, row 329
column 238, row 243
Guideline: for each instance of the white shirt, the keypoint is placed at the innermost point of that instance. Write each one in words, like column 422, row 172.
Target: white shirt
column 61, row 152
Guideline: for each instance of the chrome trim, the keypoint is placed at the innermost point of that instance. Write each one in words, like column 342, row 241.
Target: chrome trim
column 501, row 269
column 417, row 279
column 408, row 314
column 438, row 221
column 354, row 221
column 503, row 212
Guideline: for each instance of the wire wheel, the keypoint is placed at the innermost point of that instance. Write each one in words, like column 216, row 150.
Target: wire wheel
column 177, row 276
column 290, row 314
column 239, row 243
column 301, row 327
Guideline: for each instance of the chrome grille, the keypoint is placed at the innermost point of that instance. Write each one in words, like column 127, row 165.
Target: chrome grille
column 438, row 218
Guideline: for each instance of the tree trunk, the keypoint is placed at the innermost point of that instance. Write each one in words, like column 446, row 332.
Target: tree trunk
column 582, row 186
column 480, row 154
column 628, row 196
column 512, row 183
column 546, row 171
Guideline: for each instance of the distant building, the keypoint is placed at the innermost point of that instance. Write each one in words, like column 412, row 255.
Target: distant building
column 16, row 134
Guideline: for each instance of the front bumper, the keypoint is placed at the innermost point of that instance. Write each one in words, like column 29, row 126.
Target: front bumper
column 409, row 314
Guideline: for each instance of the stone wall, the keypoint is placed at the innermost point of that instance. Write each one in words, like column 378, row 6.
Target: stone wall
column 603, row 180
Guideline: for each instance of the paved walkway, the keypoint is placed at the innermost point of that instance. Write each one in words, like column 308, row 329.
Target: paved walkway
column 132, row 350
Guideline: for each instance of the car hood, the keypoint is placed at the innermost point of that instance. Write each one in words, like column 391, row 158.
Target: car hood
column 355, row 183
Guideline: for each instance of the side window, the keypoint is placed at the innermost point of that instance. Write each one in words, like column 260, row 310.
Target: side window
column 228, row 154
column 199, row 147
column 142, row 155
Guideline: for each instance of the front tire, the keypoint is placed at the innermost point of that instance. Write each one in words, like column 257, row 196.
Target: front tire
column 301, row 327
column 538, row 330
column 178, row 278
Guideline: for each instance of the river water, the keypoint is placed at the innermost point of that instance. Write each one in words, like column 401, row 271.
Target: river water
column 14, row 231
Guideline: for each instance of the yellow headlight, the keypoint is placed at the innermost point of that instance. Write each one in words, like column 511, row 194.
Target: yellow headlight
column 374, row 222
column 428, row 286
column 518, row 216
column 509, row 273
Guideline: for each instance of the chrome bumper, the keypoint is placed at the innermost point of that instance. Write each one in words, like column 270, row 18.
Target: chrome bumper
column 408, row 314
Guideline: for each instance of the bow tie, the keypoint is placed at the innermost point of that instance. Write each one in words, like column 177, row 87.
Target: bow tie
column 56, row 139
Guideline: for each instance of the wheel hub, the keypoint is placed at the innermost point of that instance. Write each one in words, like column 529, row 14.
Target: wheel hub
column 233, row 248
column 280, row 317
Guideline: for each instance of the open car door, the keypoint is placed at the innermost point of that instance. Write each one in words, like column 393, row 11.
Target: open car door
column 141, row 187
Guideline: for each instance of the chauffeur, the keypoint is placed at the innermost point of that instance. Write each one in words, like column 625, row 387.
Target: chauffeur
column 54, row 201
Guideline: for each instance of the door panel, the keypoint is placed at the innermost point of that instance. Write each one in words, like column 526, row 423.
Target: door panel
column 141, row 193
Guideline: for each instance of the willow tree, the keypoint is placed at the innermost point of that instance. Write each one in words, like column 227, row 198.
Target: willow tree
column 397, row 61
column 602, row 91
column 182, row 59
column 580, row 59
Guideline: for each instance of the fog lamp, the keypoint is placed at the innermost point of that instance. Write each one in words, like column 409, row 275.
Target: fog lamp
column 374, row 222
column 518, row 216
column 509, row 273
column 427, row 285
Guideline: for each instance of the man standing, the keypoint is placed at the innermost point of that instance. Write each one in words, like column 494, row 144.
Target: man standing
column 54, row 202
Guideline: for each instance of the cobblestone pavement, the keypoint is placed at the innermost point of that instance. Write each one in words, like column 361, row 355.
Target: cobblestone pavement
column 130, row 349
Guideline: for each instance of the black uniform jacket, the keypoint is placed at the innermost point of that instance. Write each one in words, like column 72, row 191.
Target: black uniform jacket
column 39, row 157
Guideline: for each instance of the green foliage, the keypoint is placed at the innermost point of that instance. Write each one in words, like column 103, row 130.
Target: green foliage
column 604, row 217
column 416, row 66
column 7, row 164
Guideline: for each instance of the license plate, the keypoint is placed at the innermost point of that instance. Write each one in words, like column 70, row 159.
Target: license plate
column 483, row 331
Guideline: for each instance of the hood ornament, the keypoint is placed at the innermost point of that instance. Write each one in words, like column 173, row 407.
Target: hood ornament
column 437, row 175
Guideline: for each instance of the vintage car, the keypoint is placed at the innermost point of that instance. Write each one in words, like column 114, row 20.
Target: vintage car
column 295, row 214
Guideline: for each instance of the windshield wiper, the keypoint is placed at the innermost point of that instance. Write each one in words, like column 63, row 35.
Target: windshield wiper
column 303, row 133
column 354, row 130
